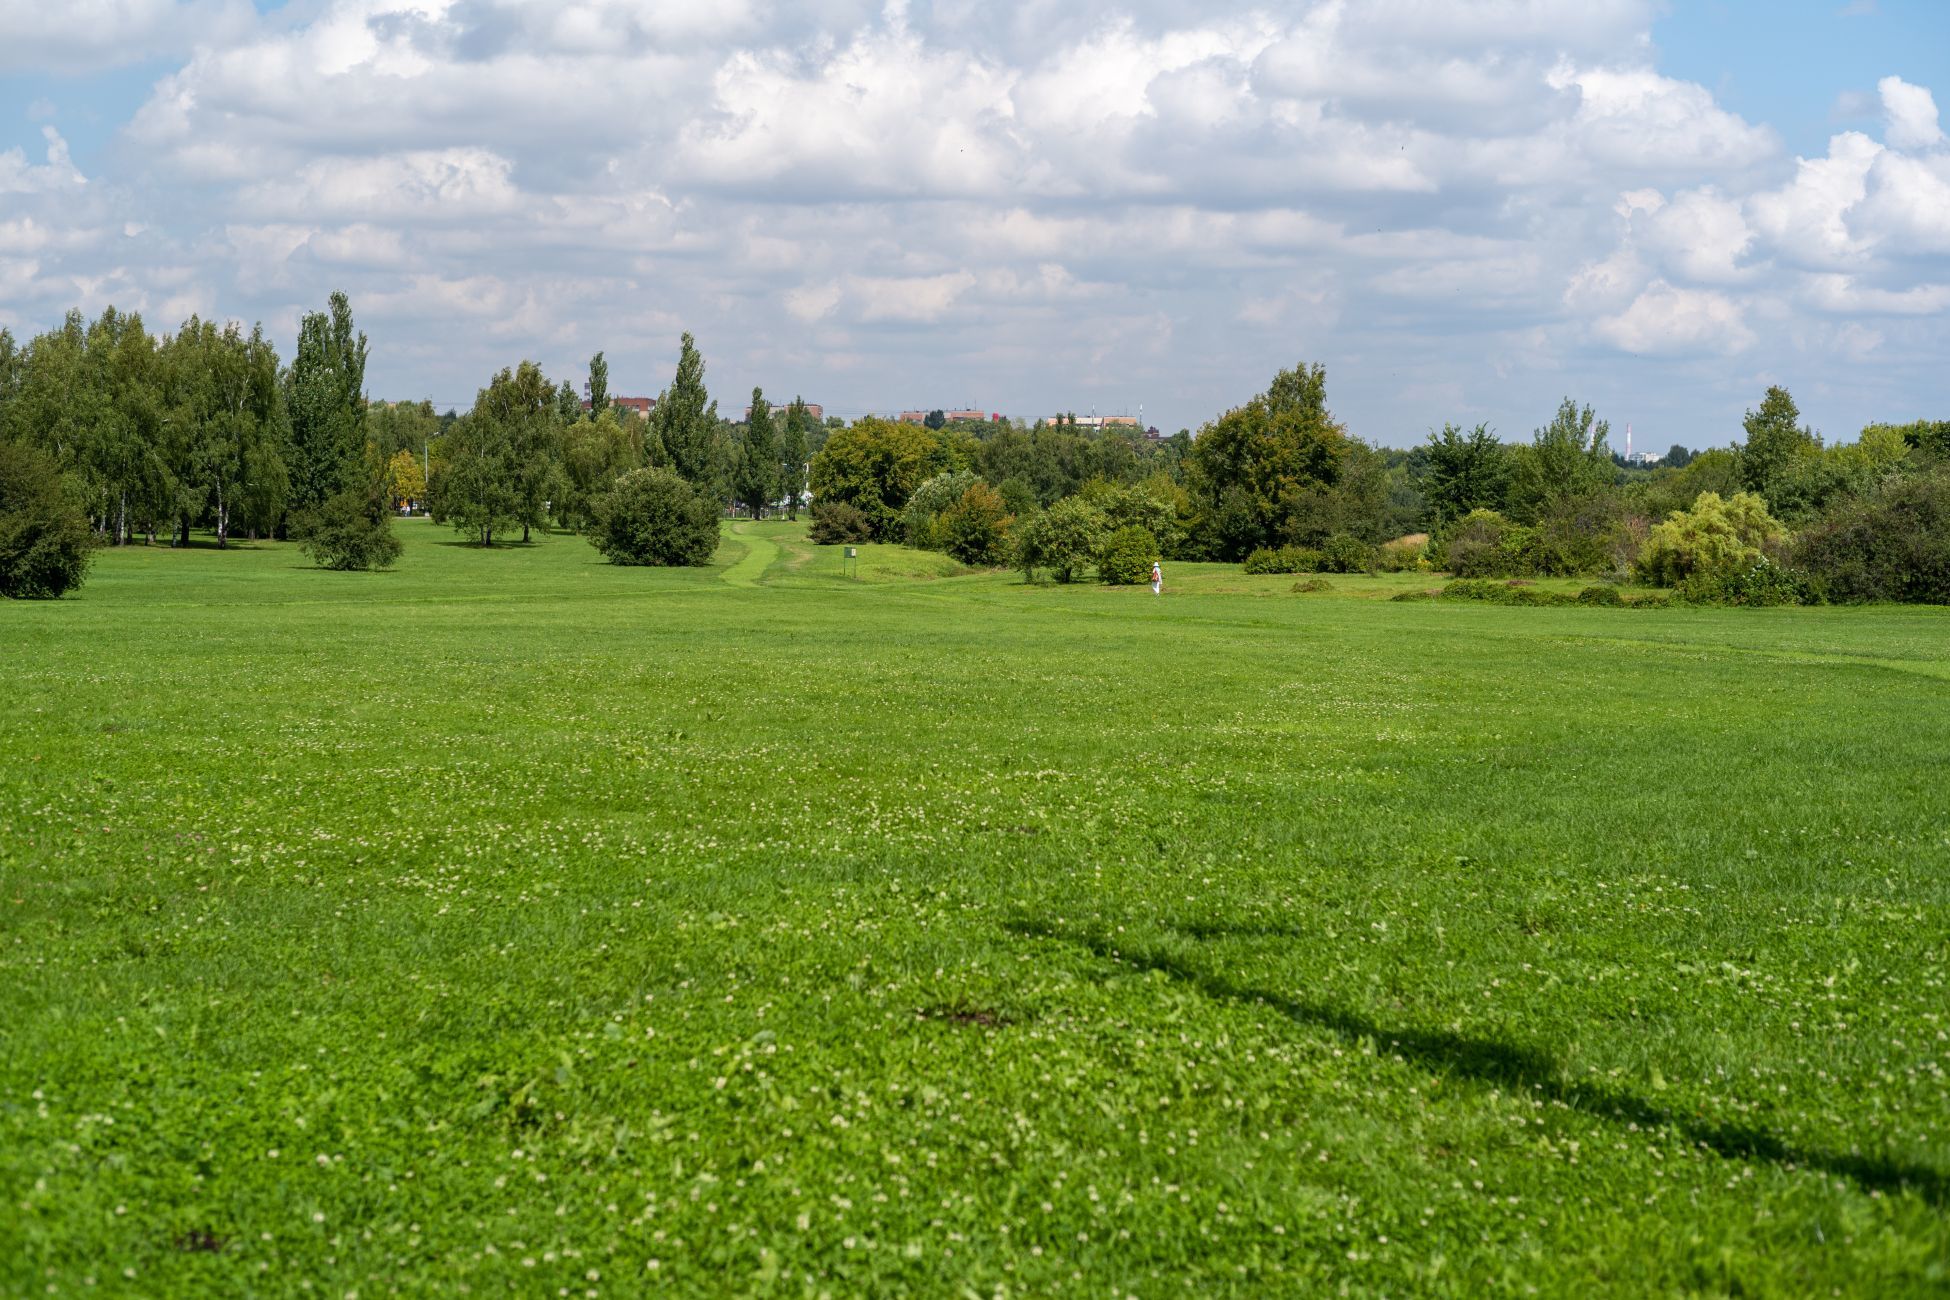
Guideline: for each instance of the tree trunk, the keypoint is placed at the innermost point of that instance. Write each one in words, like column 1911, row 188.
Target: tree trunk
column 223, row 521
column 524, row 534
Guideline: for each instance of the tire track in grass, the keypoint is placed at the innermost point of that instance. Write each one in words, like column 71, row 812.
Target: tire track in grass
column 760, row 553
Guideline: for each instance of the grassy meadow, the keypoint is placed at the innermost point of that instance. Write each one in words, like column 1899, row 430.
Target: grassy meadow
column 510, row 923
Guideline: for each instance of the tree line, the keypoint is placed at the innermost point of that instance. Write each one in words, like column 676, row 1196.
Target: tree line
column 122, row 435
column 1280, row 485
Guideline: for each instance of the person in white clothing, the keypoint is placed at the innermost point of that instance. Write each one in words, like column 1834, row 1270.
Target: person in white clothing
column 1157, row 578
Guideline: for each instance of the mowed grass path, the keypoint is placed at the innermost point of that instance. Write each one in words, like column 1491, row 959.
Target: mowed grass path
column 512, row 923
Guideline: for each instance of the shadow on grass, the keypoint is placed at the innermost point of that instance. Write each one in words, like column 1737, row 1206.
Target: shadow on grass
column 1509, row 1065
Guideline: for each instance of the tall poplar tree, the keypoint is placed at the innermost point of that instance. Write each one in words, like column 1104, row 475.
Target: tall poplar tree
column 794, row 450
column 598, row 385
column 756, row 476
column 326, row 397
column 685, row 419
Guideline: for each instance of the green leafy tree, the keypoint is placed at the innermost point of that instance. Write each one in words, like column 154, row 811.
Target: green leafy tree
column 1063, row 538
column 596, row 451
column 1891, row 544
column 1776, row 446
column 225, row 412
column 1566, row 458
column 874, row 465
column 353, row 530
column 921, row 517
column 1126, row 556
column 44, row 540
column 795, row 448
column 1253, row 463
column 654, row 517
column 756, row 476
column 1717, row 537
column 13, row 367
column 502, row 458
column 394, row 427
column 685, row 420
column 1464, row 472
column 89, row 394
column 598, row 385
column 975, row 528
column 325, row 395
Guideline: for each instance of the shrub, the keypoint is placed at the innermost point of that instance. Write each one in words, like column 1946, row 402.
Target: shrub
column 1127, row 555
column 973, row 528
column 1474, row 589
column 1343, row 553
column 1503, row 593
column 1313, row 584
column 1761, row 583
column 1064, row 539
column 352, row 530
column 1717, row 536
column 44, row 542
column 838, row 521
column 1600, row 596
column 1414, row 595
column 1283, row 559
column 921, row 520
column 652, row 516
column 1891, row 545
column 1478, row 546
column 1405, row 554
column 1592, row 532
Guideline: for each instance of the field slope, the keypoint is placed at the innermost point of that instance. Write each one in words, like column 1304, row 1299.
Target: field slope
column 510, row 922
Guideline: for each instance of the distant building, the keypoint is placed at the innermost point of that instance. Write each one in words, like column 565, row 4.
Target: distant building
column 1097, row 421
column 813, row 409
column 951, row 417
column 637, row 406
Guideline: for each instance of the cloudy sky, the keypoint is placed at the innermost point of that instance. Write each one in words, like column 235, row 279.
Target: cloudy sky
column 1465, row 208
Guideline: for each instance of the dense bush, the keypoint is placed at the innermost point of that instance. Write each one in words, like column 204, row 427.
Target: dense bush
column 1127, row 555
column 1520, row 593
column 838, row 521
column 652, row 516
column 1761, row 583
column 921, row 520
column 1343, row 553
column 44, row 541
column 1153, row 505
column 1586, row 534
column 1891, row 545
column 1717, row 536
column 975, row 527
column 1404, row 555
column 1474, row 547
column 1284, row 559
column 352, row 530
column 1063, row 539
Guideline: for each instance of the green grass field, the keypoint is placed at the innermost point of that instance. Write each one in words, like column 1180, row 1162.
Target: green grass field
column 511, row 923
